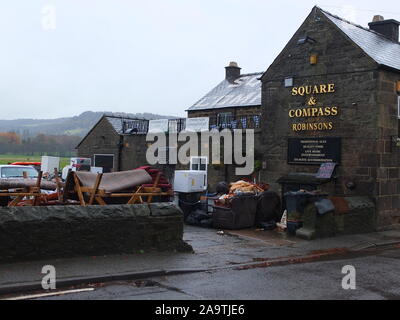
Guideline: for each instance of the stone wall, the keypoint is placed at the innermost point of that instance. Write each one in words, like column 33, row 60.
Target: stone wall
column 102, row 139
column 388, row 174
column 133, row 152
column 365, row 97
column 63, row 231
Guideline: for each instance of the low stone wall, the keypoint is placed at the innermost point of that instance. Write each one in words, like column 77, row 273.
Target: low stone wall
column 63, row 231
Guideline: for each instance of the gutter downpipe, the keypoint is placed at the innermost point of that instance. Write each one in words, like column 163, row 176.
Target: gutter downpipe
column 120, row 146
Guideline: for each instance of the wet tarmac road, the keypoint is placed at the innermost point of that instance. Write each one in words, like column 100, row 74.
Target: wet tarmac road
column 377, row 277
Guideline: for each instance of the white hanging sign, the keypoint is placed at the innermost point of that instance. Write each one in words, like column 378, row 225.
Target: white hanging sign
column 197, row 124
column 157, row 126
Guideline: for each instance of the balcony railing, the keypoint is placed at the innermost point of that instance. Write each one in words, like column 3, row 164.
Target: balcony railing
column 135, row 126
column 140, row 126
column 177, row 125
column 240, row 122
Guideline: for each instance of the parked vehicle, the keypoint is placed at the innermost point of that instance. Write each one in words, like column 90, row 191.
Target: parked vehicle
column 76, row 164
column 10, row 172
column 36, row 165
column 17, row 171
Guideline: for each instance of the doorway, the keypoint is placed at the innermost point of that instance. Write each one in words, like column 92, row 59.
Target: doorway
column 105, row 161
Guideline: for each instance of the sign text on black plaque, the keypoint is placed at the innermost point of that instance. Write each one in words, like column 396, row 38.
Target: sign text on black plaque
column 314, row 150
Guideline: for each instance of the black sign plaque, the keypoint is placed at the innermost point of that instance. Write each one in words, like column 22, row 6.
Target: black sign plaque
column 314, row 150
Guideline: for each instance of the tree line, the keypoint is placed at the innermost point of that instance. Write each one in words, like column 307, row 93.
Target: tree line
column 58, row 145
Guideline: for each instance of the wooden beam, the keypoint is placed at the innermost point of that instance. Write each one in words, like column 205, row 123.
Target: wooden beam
column 38, row 184
column 78, row 190
column 20, row 194
column 136, row 196
column 100, row 201
column 95, row 188
column 150, row 197
column 58, row 181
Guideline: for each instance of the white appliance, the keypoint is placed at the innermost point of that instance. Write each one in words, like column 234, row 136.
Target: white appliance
column 96, row 169
column 190, row 181
column 49, row 164
column 76, row 164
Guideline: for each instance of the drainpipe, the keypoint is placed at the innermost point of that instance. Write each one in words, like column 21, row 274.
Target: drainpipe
column 120, row 146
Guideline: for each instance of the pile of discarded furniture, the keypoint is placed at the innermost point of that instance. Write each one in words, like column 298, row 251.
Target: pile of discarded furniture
column 157, row 176
column 29, row 192
column 86, row 188
column 243, row 205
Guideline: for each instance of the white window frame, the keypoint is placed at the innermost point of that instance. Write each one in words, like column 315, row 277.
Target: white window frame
column 202, row 160
column 398, row 107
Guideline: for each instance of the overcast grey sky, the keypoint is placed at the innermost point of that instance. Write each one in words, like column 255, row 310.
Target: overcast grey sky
column 62, row 57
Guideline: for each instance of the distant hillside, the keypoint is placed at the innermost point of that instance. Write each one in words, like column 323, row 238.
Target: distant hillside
column 78, row 125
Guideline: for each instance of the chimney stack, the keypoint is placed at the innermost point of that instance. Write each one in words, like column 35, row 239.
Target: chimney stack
column 232, row 72
column 387, row 28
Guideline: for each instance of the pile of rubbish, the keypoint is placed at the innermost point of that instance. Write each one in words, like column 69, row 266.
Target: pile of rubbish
column 241, row 204
column 244, row 187
column 86, row 188
column 238, row 188
column 163, row 181
column 29, row 191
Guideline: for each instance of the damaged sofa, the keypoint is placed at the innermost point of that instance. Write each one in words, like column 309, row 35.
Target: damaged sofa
column 240, row 214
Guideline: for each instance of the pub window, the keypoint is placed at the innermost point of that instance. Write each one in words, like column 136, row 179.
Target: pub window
column 224, row 118
column 198, row 163
column 256, row 120
column 244, row 122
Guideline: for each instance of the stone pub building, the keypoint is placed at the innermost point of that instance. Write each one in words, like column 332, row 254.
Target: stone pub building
column 235, row 103
column 332, row 95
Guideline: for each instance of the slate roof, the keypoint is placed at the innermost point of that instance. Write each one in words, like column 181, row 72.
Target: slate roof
column 382, row 50
column 116, row 122
column 244, row 92
column 130, row 123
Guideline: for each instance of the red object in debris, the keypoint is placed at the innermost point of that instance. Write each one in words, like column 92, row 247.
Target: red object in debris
column 152, row 171
column 163, row 182
column 263, row 186
column 143, row 168
column 24, row 163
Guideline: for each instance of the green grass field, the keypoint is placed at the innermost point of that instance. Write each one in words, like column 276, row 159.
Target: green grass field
column 10, row 158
